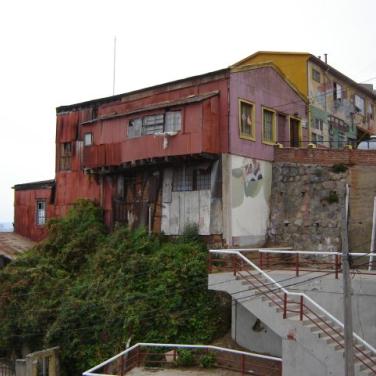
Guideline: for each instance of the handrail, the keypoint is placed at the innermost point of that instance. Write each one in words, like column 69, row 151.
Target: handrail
column 318, row 306
column 182, row 346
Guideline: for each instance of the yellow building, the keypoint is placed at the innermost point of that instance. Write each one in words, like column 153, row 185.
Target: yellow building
column 340, row 111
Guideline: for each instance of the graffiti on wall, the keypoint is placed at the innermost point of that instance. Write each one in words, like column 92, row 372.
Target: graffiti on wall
column 250, row 194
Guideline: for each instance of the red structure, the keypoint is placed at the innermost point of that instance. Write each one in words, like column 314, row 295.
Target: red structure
column 154, row 157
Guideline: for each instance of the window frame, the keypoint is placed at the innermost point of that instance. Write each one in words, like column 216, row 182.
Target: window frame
column 143, row 127
column 316, row 73
column 37, row 217
column 364, row 104
column 274, row 130
column 91, row 138
column 242, row 135
column 300, row 133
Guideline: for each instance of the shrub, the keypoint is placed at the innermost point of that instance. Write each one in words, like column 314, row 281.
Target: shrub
column 185, row 358
column 207, row 360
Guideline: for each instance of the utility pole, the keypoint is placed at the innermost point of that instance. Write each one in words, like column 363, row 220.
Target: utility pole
column 349, row 356
column 372, row 247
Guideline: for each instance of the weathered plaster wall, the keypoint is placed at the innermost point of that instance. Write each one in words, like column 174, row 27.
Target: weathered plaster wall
column 250, row 194
column 305, row 206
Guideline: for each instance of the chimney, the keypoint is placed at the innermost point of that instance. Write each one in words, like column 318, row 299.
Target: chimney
column 326, row 58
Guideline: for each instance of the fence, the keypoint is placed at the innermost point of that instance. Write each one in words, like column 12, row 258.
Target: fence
column 292, row 303
column 295, row 261
column 174, row 355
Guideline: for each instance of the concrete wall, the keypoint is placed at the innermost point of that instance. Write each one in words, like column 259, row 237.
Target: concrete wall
column 253, row 334
column 250, row 195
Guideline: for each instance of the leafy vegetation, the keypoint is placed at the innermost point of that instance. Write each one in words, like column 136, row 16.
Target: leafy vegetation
column 88, row 291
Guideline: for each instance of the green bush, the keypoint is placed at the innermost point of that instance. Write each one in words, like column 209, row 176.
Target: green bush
column 207, row 360
column 185, row 358
column 88, row 292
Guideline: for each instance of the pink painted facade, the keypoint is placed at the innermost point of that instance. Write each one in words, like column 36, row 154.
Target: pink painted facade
column 264, row 87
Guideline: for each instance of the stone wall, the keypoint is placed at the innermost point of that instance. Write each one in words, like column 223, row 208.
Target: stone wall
column 305, row 206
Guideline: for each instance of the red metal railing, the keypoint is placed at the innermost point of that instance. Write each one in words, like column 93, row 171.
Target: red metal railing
column 296, row 261
column 304, row 307
column 171, row 356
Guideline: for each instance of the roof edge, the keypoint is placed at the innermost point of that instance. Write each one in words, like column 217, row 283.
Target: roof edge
column 34, row 185
column 137, row 91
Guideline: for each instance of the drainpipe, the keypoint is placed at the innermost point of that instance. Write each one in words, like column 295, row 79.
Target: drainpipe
column 101, row 191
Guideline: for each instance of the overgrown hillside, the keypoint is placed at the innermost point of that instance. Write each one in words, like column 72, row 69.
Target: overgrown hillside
column 88, row 292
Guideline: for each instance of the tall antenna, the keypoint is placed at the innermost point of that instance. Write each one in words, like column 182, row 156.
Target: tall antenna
column 114, row 75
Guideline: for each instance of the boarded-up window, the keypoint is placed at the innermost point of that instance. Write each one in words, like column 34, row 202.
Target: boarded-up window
column 152, row 124
column 191, row 179
column 173, row 121
column 134, row 128
column 65, row 155
column 41, row 212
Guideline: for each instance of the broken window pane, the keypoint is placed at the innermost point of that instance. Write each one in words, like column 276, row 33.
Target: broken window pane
column 134, row 128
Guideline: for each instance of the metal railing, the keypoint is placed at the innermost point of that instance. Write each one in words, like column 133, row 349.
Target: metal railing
column 299, row 261
column 305, row 307
column 167, row 355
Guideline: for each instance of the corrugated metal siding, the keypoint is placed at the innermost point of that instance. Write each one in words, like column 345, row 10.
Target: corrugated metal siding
column 25, row 213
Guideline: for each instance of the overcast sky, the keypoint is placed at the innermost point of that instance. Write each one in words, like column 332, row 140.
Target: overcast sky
column 57, row 53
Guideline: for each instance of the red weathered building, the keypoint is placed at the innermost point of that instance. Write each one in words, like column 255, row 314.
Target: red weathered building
column 160, row 157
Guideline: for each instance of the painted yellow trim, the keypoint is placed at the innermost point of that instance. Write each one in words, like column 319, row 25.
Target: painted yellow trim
column 270, row 64
column 274, row 126
column 253, row 114
column 300, row 133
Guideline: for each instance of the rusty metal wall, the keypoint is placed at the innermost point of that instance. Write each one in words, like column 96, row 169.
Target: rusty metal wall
column 25, row 212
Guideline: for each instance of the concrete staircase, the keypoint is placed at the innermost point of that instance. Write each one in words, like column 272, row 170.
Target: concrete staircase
column 312, row 342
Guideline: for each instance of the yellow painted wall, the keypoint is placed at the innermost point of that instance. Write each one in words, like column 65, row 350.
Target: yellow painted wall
column 294, row 66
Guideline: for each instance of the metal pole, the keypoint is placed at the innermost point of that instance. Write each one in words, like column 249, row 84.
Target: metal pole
column 348, row 327
column 372, row 247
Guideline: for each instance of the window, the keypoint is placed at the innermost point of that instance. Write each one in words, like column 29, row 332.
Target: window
column 152, row 124
column 337, row 91
column 158, row 123
column 268, row 123
column 173, row 121
column 370, row 111
column 317, row 138
column 359, row 104
column 134, row 128
column 41, row 212
column 316, row 75
column 246, row 120
column 191, row 179
column 318, row 124
column 65, row 155
column 88, row 139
